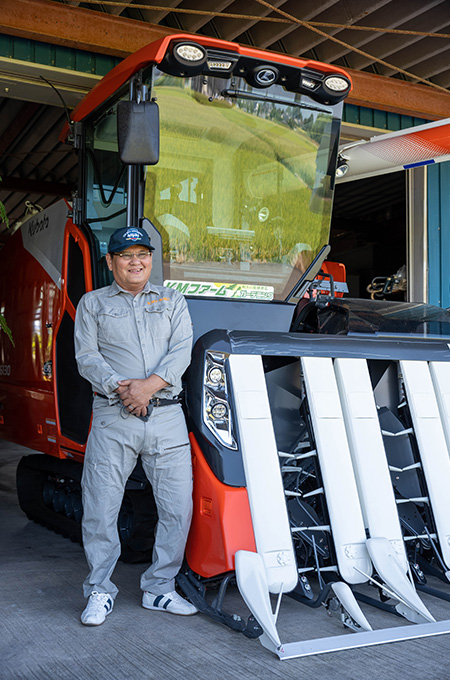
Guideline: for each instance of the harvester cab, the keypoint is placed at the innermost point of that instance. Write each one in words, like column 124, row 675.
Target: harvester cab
column 319, row 425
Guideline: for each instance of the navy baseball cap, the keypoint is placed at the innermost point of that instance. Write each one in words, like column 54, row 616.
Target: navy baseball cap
column 128, row 236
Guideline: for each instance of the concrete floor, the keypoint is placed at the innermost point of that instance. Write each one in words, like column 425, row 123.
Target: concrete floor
column 41, row 637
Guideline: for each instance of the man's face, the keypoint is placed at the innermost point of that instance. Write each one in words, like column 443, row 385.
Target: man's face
column 131, row 273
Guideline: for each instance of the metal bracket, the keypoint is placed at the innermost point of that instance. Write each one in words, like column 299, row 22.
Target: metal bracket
column 75, row 135
column 77, row 208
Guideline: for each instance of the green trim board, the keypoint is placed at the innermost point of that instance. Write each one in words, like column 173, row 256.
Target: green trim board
column 57, row 56
column 383, row 120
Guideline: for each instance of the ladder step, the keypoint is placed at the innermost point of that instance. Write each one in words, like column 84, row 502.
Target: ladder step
column 414, row 538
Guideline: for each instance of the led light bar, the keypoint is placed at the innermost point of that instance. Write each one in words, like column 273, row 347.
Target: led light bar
column 219, row 65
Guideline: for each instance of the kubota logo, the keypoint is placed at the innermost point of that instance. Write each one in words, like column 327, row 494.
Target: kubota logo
column 266, row 76
column 284, row 558
column 37, row 225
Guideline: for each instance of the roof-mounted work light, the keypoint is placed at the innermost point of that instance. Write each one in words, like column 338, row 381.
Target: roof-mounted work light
column 336, row 83
column 184, row 59
column 189, row 53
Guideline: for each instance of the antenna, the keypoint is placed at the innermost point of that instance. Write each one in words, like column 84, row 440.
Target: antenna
column 61, row 98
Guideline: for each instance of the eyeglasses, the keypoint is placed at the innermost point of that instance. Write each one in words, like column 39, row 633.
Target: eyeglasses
column 129, row 256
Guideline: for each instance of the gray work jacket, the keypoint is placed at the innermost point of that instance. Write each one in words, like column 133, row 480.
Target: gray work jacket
column 119, row 335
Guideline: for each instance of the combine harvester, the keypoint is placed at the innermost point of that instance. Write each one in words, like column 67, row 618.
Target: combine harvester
column 319, row 425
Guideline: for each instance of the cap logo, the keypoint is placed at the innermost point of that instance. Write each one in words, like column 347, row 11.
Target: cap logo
column 132, row 234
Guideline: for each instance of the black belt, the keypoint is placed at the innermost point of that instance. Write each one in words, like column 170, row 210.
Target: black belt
column 153, row 403
column 158, row 401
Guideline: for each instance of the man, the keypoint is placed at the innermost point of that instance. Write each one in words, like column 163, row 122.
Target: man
column 133, row 342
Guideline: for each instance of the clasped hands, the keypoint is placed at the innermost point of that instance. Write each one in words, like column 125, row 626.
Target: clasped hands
column 135, row 393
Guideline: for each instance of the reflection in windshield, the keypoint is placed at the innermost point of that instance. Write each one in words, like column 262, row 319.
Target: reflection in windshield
column 242, row 193
column 355, row 316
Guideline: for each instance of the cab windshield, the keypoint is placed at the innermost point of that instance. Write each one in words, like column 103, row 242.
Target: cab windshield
column 242, row 193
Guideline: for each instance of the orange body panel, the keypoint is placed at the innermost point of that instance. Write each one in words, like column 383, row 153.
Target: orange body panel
column 337, row 271
column 33, row 306
column 26, row 393
column 76, row 450
column 221, row 521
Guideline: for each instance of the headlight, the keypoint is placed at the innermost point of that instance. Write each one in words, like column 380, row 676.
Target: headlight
column 216, row 375
column 219, row 411
column 216, row 408
column 341, row 170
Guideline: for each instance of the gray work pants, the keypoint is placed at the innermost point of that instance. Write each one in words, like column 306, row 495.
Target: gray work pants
column 114, row 444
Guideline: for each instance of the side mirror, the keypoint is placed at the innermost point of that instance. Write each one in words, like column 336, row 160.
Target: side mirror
column 138, row 132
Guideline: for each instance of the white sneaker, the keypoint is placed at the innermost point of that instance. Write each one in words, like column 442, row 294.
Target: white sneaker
column 170, row 602
column 97, row 609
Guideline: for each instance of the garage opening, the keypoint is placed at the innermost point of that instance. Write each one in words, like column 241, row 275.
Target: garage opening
column 368, row 230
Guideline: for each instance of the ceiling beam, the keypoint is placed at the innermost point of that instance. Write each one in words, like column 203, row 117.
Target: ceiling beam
column 398, row 96
column 153, row 16
column 229, row 29
column 384, row 46
column 413, row 16
column 85, row 29
column 193, row 22
column 349, row 12
column 265, row 35
column 82, row 29
column 412, row 54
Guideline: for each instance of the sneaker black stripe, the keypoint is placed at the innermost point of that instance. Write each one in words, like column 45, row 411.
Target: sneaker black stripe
column 166, row 604
column 157, row 600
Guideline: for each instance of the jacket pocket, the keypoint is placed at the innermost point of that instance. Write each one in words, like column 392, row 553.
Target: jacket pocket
column 115, row 324
column 158, row 321
column 103, row 417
